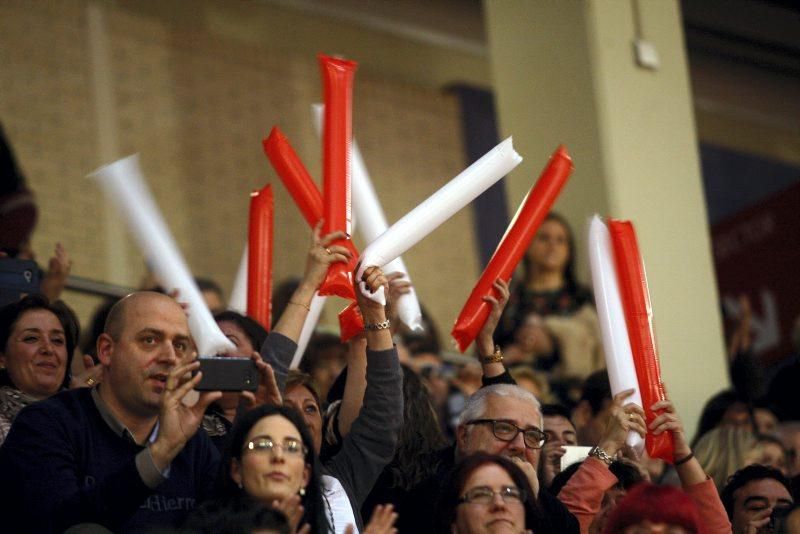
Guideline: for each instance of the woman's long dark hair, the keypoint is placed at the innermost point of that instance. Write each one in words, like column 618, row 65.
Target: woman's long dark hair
column 570, row 281
column 10, row 314
column 420, row 436
column 315, row 512
column 535, row 519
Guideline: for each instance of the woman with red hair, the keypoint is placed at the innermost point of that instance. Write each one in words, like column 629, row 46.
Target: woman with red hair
column 655, row 509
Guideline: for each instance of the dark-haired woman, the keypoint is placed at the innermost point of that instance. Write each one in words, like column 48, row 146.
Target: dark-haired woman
column 549, row 291
column 485, row 493
column 37, row 340
column 271, row 461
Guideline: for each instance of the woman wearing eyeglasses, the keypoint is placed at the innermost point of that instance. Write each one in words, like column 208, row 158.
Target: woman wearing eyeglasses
column 485, row 493
column 271, row 460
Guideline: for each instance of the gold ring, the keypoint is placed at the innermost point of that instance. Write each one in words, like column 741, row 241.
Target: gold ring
column 328, row 251
column 90, row 381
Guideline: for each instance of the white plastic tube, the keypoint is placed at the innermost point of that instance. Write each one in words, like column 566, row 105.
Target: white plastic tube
column 372, row 223
column 312, row 318
column 616, row 345
column 124, row 183
column 439, row 207
column 238, row 300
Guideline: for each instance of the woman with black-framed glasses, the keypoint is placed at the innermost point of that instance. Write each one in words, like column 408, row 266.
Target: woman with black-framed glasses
column 485, row 493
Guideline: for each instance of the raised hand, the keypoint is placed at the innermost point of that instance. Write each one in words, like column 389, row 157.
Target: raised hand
column 322, row 254
column 622, row 418
column 178, row 422
column 268, row 391
column 484, row 342
column 57, row 272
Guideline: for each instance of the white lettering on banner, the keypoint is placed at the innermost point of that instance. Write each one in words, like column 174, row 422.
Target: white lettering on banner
column 766, row 327
column 739, row 238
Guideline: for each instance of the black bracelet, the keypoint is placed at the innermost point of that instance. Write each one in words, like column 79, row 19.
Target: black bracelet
column 683, row 460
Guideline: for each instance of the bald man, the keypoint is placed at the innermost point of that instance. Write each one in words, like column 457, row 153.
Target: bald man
column 125, row 453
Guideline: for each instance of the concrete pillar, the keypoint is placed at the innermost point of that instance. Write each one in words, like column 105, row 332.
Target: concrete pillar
column 566, row 72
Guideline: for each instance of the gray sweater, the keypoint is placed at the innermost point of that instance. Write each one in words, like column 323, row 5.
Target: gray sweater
column 371, row 443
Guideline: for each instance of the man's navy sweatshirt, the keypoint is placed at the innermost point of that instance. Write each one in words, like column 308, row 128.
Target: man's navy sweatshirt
column 62, row 465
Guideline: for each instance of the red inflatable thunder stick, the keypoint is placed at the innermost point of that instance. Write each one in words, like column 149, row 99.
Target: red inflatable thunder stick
column 512, row 247
column 638, row 318
column 259, row 260
column 306, row 195
column 337, row 136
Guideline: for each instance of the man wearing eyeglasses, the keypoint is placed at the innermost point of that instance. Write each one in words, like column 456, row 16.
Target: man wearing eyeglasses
column 506, row 420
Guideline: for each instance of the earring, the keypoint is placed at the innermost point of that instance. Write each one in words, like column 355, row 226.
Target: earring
column 240, row 485
column 302, row 492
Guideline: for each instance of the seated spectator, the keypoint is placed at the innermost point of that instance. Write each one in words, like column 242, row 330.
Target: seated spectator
column 415, row 459
column 485, row 493
column 590, row 414
column 727, row 408
column 125, row 453
column 37, row 341
column 649, row 508
column 324, row 360
column 584, row 492
column 560, row 433
column 271, row 461
column 789, row 433
column 752, row 494
column 535, row 382
column 723, row 451
column 557, row 316
column 212, row 294
column 769, row 451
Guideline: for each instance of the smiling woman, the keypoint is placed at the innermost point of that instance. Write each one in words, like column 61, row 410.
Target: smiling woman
column 37, row 340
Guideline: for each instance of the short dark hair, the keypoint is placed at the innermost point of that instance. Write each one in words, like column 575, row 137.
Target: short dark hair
column 746, row 475
column 556, row 410
column 457, row 478
column 596, row 389
column 255, row 333
column 10, row 314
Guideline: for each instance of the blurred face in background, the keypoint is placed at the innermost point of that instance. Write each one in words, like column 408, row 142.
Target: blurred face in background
column 301, row 399
column 549, row 250
column 244, row 348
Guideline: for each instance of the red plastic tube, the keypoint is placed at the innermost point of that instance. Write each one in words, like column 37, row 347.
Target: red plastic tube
column 294, row 175
column 638, row 317
column 337, row 136
column 259, row 263
column 512, row 247
column 298, row 182
column 350, row 322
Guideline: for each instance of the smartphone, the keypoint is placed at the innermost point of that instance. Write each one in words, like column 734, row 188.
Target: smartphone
column 17, row 279
column 574, row 454
column 227, row 374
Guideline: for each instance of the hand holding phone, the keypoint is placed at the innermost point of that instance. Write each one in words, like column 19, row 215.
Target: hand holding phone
column 227, row 374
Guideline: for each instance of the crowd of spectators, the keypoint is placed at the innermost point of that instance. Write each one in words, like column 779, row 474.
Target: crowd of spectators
column 388, row 432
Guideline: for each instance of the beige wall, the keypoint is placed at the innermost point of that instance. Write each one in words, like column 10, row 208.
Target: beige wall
column 195, row 96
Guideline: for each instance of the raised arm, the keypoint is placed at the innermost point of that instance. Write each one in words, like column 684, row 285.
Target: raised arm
column 694, row 480
column 373, row 436
column 494, row 372
column 279, row 348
